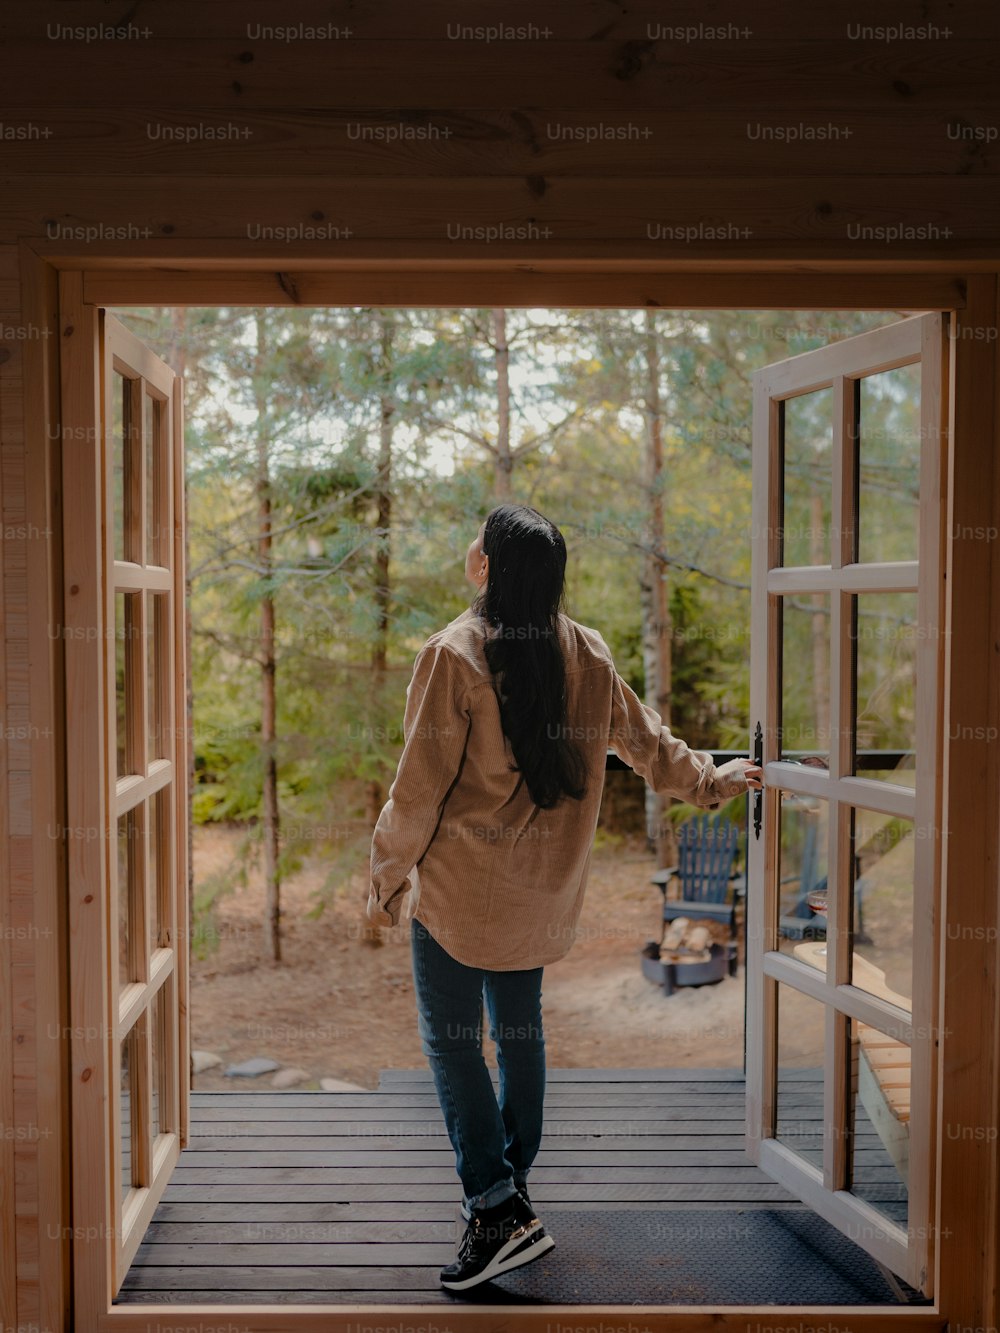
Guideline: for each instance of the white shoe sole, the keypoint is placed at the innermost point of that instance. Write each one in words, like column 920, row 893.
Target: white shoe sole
column 518, row 1250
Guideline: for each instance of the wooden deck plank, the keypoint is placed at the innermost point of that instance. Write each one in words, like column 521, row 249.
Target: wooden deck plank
column 724, row 1109
column 325, row 1253
column 447, row 1191
column 589, row 1118
column 354, row 1101
column 231, row 1284
column 361, row 1107
column 408, row 1156
column 660, row 1186
column 389, row 1213
column 590, row 1109
column 580, row 1120
column 444, row 1170
column 600, row 1077
column 404, row 1151
column 317, row 1136
column 366, row 1142
column 315, row 1277
column 697, row 1173
column 238, row 1295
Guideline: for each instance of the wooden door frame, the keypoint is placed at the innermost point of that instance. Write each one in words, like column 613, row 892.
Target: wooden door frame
column 969, row 1094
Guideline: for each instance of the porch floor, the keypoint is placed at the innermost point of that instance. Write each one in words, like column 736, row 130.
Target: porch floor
column 327, row 1198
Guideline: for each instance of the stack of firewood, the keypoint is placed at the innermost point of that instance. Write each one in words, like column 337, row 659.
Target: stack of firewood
column 686, row 941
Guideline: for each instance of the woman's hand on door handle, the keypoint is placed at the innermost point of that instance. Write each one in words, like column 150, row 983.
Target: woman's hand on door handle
column 754, row 774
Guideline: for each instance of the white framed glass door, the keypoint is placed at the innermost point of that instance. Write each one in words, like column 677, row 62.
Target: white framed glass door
column 844, row 843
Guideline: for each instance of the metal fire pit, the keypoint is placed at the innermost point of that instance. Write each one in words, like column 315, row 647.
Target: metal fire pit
column 678, row 973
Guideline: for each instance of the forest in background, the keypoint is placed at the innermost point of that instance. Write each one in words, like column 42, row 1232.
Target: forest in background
column 339, row 462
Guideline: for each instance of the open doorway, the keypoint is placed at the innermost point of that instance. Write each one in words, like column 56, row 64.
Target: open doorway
column 810, row 701
column 379, row 450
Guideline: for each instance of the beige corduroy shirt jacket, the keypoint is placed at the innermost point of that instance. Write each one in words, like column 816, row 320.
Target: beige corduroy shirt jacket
column 461, row 846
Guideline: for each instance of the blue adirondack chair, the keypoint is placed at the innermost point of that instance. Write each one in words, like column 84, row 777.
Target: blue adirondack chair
column 706, row 850
column 799, row 922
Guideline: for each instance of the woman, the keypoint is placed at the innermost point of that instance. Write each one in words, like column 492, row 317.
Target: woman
column 487, row 836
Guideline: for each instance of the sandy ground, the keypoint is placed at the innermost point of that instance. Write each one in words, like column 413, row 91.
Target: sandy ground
column 339, row 1007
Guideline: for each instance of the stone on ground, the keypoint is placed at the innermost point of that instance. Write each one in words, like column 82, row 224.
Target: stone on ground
column 260, row 1064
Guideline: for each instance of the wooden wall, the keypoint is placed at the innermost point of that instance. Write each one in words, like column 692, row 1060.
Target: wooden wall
column 666, row 130
column 15, row 874
column 763, row 131
column 34, row 1088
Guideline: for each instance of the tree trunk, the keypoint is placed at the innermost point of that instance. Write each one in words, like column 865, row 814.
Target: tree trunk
column 504, row 462
column 656, row 627
column 383, row 500
column 374, row 796
column 271, row 819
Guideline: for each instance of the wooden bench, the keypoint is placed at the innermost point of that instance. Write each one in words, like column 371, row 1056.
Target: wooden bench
column 883, row 1063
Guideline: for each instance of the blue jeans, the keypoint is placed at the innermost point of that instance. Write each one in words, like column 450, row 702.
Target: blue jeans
column 494, row 1145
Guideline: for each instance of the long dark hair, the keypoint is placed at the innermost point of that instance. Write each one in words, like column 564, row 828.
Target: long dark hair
column 521, row 601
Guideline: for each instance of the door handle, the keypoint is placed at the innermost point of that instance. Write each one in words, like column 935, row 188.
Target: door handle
column 758, row 796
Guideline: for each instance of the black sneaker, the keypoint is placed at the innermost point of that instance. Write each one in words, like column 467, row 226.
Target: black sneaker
column 521, row 1189
column 495, row 1241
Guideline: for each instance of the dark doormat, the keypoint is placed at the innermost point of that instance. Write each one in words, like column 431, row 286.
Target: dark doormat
column 696, row 1256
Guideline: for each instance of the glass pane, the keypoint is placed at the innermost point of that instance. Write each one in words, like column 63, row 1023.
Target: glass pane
column 159, row 868
column 882, row 905
column 889, row 464
column 126, row 662
column 878, row 1117
column 129, row 513
column 802, row 848
column 807, row 466
column 152, row 868
column 130, row 1066
column 801, row 1025
column 120, row 716
column 118, row 390
column 804, row 732
column 155, row 496
column 157, row 664
column 885, row 633
column 156, row 1041
column 126, row 877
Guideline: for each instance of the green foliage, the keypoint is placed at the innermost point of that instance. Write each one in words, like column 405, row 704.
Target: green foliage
column 682, row 812
column 605, row 839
